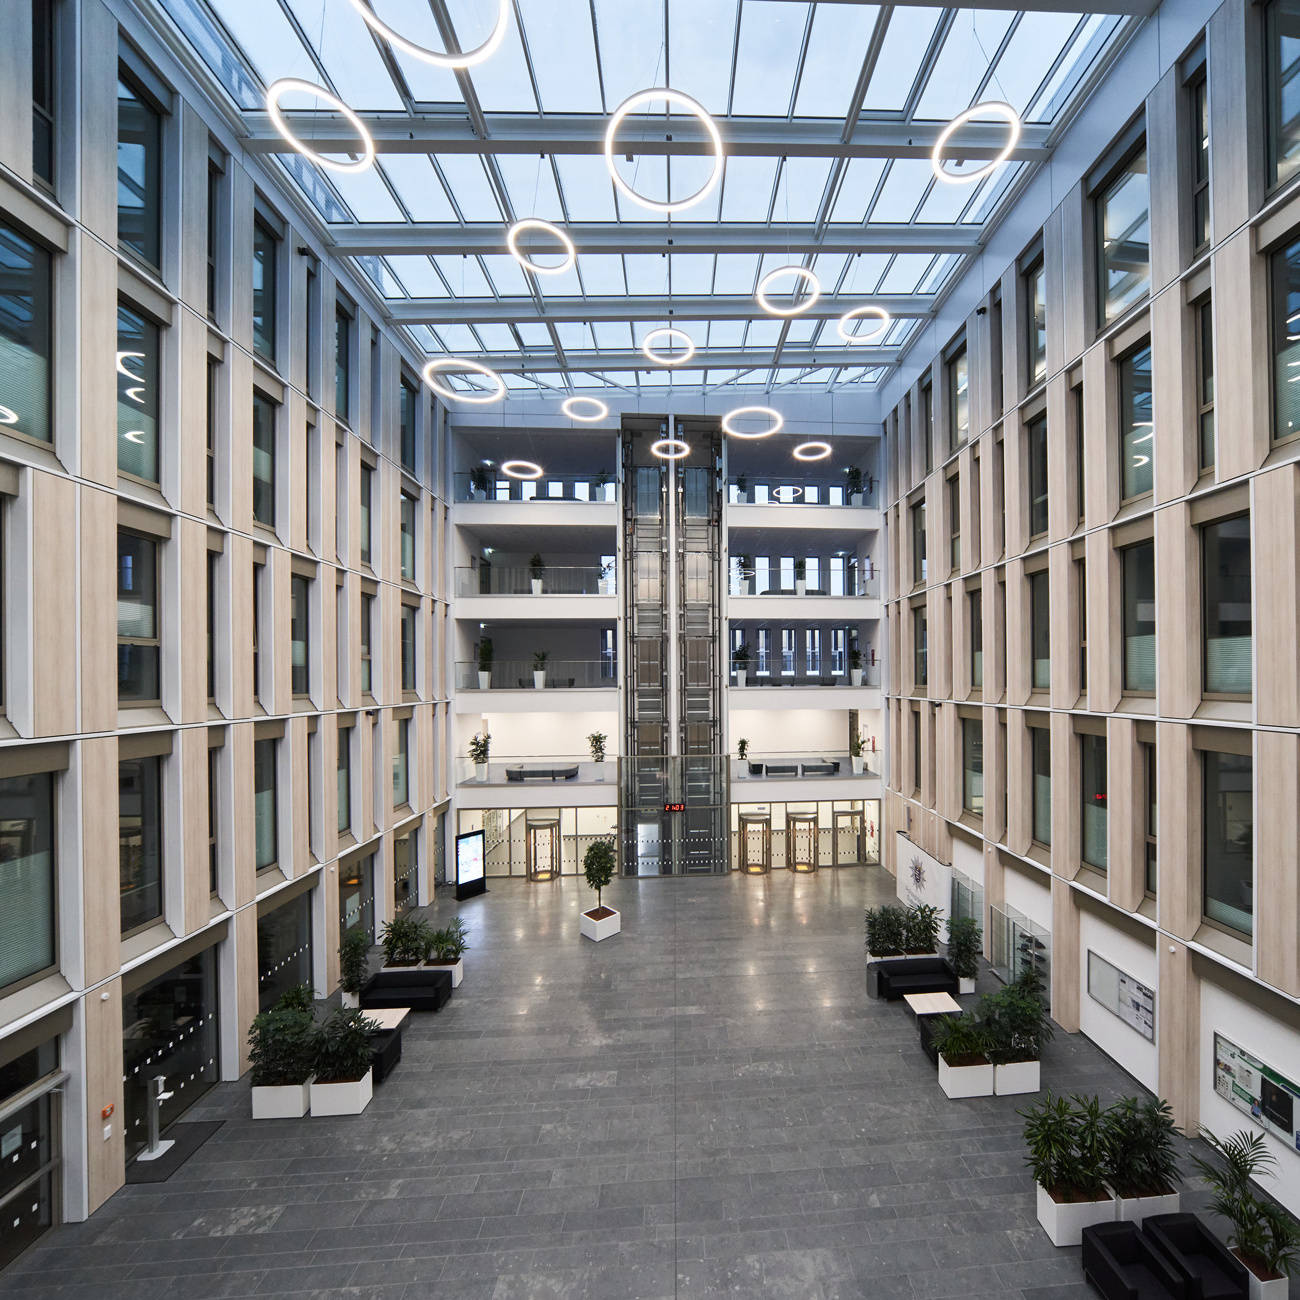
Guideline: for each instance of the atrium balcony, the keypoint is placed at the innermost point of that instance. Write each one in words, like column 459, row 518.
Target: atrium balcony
column 777, row 573
column 775, row 777
column 768, row 488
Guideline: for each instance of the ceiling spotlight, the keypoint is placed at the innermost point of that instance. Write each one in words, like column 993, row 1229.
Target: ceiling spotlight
column 525, row 469
column 278, row 88
column 812, row 451
column 439, row 58
column 811, row 283
column 536, row 223
column 696, row 110
column 670, row 449
column 991, row 108
column 778, row 421
column 667, row 333
column 595, row 408
column 863, row 336
column 439, row 364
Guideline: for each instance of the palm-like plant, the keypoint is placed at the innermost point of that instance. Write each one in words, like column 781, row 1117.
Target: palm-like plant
column 961, row 1040
column 1140, row 1147
column 964, row 945
column 1066, row 1147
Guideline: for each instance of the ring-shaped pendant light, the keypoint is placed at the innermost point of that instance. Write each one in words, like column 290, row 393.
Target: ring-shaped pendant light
column 814, row 290
column 778, row 421
column 525, row 469
column 990, row 108
column 696, row 110
column 8, row 416
column 812, row 451
column 856, row 337
column 598, row 408
column 278, row 88
column 667, row 332
column 536, row 223
column 788, row 493
column 450, row 394
column 670, row 449
column 439, row 58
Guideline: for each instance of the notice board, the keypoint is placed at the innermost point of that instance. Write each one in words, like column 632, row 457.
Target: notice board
column 1122, row 995
column 1258, row 1090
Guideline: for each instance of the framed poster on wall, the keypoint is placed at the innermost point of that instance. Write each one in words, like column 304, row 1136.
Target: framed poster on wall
column 1268, row 1097
column 470, row 858
column 1122, row 995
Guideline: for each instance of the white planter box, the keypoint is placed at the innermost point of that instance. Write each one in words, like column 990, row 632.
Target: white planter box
column 800, row 586
column 401, row 966
column 536, row 584
column 485, row 681
column 857, row 761
column 855, row 498
column 1064, row 1222
column 539, row 680
column 965, row 1080
column 457, row 969
column 964, row 985
column 607, row 586
column 1276, row 1288
column 350, row 1000
column 480, row 771
column 1135, row 1209
column 740, row 676
column 898, row 956
column 1017, row 1077
column 288, row 1102
column 342, row 1098
column 855, row 676
column 602, row 929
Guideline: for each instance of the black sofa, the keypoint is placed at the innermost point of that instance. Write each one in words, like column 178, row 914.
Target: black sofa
column 385, row 1052
column 1122, row 1263
column 1210, row 1269
column 896, row 976
column 522, row 773
column 416, row 987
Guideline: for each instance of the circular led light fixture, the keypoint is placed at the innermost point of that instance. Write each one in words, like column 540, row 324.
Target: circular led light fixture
column 813, row 284
column 668, row 333
column 526, row 469
column 439, row 364
column 598, row 410
column 788, row 493
column 778, row 421
column 812, row 451
column 8, row 416
column 855, row 337
column 536, row 223
column 439, row 58
column 670, row 449
column 278, row 88
column 991, row 108
column 696, row 110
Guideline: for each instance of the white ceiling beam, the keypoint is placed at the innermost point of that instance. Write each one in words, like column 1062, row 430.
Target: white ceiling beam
column 542, row 362
column 1133, row 8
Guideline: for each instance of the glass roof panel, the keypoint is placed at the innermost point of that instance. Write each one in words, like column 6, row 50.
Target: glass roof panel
column 858, row 183
column 458, row 339
column 502, row 83
column 726, row 333
column 418, row 186
column 419, row 277
column 800, row 188
column 647, row 273
column 469, row 186
column 575, row 335
column 747, row 188
column 630, row 40
column 367, row 195
column 736, row 273
column 612, row 334
column 901, row 193
column 767, row 57
column 507, row 276
column 865, row 272
column 836, row 48
column 350, row 56
column 534, row 335
column 562, row 52
column 972, row 40
column 602, row 273
column 414, row 19
column 692, row 273
column 498, row 338
column 905, row 272
column 588, row 191
column 464, row 275
column 1095, row 30
column 901, row 53
column 267, row 38
column 1029, row 54
column 530, row 187
column 701, row 37
column 763, row 333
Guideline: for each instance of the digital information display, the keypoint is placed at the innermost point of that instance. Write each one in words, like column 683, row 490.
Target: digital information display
column 470, row 856
column 1251, row 1086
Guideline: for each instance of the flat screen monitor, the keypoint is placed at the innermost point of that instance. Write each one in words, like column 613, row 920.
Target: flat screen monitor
column 470, row 860
column 1277, row 1105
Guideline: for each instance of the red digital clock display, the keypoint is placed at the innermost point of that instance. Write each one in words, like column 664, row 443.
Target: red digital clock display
column 674, row 807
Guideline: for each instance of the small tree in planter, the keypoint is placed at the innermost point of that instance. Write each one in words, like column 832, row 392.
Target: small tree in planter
column 742, row 753
column 598, row 868
column 484, row 663
column 596, row 742
column 965, row 944
column 921, row 929
column 741, row 661
column 480, row 482
column 354, row 965
column 341, row 1054
column 1019, row 1028
column 403, row 940
column 280, row 1053
column 539, row 668
column 298, row 997
column 800, row 576
column 445, row 948
column 479, row 748
column 853, row 484
column 855, row 667
column 886, row 931
column 962, row 1042
column 1067, row 1154
column 857, row 754
column 1140, row 1155
column 536, row 571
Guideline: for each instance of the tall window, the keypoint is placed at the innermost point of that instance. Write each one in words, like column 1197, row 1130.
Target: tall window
column 265, row 250
column 787, row 652
column 43, row 91
column 1281, row 69
column 367, row 481
column 1093, row 820
column 954, row 522
column 213, row 557
column 409, row 405
column 1137, row 432
column 263, row 460
column 259, row 570
column 214, row 791
column 409, row 614
column 139, row 172
column 1139, row 570
column 927, row 424
column 211, row 430
column 972, row 765
column 1036, row 322
column 1080, row 464
column 139, row 840
column 299, row 667
column 26, row 335
column 264, row 802
column 918, row 542
column 344, row 764
column 1148, row 752
column 137, row 394
column 1225, row 569
column 995, row 352
column 401, row 763
column 1040, row 631
column 1199, row 103
column 1037, row 434
column 812, row 651
column 27, row 919
column 1124, row 236
column 1205, row 382
column 1081, row 572
column 367, row 632
column 958, row 399
column 975, row 601
column 1040, row 740
column 342, row 362
column 1229, row 880
column 137, row 618
column 213, row 232
column 919, row 648
column 916, row 749
column 408, row 537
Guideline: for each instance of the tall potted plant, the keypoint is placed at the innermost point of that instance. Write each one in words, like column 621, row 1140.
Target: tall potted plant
column 598, row 863
column 1019, row 1028
column 484, row 663
column 403, row 941
column 280, row 1052
column 607, row 578
column 857, row 754
column 965, row 943
column 1067, row 1154
column 479, row 748
column 480, row 482
column 354, row 965
column 539, row 669
column 536, row 571
column 742, row 753
column 853, row 483
column 445, row 949
column 343, row 1084
column 1141, row 1159
column 741, row 660
column 855, row 667
column 800, row 576
column 963, row 1046
column 596, row 742
column 921, row 930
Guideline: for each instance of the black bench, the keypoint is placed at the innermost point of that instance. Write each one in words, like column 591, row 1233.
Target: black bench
column 825, row 767
column 385, row 1052
column 781, row 769
column 1122, row 1263
column 1198, row 1257
column 896, row 976
column 522, row 773
column 416, row 987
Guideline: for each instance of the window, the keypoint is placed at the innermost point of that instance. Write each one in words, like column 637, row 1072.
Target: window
column 409, row 613
column 139, row 840
column 283, row 950
column 1080, row 464
column 1037, row 435
column 299, row 623
column 137, row 395
column 1148, row 753
column 787, row 652
column 927, row 424
column 812, row 651
column 27, row 920
column 26, row 335
column 1282, row 35
column 1040, row 741
column 137, row 618
column 975, row 600
column 1204, row 313
column 216, row 176
column 43, row 91
column 1199, row 103
column 1124, row 258
column 1139, row 573
column 972, row 765
column 264, row 803
column 342, row 362
column 1286, row 331
column 918, row 542
column 259, row 570
column 1225, row 580
column 357, row 896
column 958, row 399
column 367, row 630
column 405, row 872
column 954, row 522
column 919, row 650
column 367, row 477
column 139, row 172
column 264, row 413
column 409, row 400
column 995, row 352
column 763, row 657
column 211, row 431
column 1040, row 631
column 266, row 247
column 401, row 763
column 608, row 666
column 1081, row 570
column 1229, row 884
column 1036, row 321
column 311, row 330
column 1093, row 821
column 213, row 558
column 408, row 537
column 1135, row 427
column 345, row 778
column 916, row 750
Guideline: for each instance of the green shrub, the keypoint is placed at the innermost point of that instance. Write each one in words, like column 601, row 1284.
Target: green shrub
column 354, row 963
column 280, row 1047
column 298, row 998
column 341, row 1047
column 1140, row 1152
column 598, row 866
column 921, row 928
column 961, row 1040
column 1066, row 1147
column 886, row 931
column 479, row 747
column 447, row 944
column 965, row 943
column 1017, row 1021
column 404, row 939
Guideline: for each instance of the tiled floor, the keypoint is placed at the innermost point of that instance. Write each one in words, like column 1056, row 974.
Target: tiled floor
column 706, row 1105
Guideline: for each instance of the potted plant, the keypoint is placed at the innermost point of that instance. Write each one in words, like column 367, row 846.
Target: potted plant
column 742, row 753
column 857, row 752
column 1264, row 1236
column 853, row 483
column 1142, row 1162
column 445, row 949
column 855, row 667
column 921, row 930
column 343, row 1084
column 539, row 669
column 1067, row 1154
column 741, row 661
column 607, row 578
column 484, row 663
column 886, row 931
column 596, row 741
column 280, row 1052
column 536, row 570
column 1018, row 1027
column 480, row 483
column 479, row 746
column 963, row 1045
column 598, row 869
column 965, row 944
column 354, row 965
column 742, row 487
column 403, row 941
column 800, row 576
column 604, row 488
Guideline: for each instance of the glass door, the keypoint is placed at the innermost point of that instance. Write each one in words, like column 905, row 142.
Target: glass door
column 543, row 850
column 755, row 843
column 848, row 838
column 801, row 841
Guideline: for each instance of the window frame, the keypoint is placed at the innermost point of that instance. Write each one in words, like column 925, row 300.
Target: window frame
column 300, row 591
column 1204, row 754
column 1039, row 582
column 1125, row 364
column 1129, row 619
column 45, row 109
column 1203, row 317
column 957, row 377
column 153, row 643
column 273, row 767
column 43, row 299
column 1090, row 739
column 1203, row 528
column 266, row 341
column 53, row 772
column 159, row 766
column 1132, row 144
column 1036, row 440
column 136, row 81
column 263, row 400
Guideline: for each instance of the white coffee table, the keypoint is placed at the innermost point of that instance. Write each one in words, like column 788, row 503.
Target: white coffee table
column 932, row 1004
column 388, row 1017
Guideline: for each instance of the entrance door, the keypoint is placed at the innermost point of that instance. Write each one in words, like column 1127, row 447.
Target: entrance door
column 801, row 841
column 755, row 843
column 848, row 838
column 543, row 850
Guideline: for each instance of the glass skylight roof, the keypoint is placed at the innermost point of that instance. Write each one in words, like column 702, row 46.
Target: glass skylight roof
column 794, row 86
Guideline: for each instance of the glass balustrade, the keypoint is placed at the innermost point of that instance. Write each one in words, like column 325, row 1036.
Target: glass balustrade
column 485, row 485
column 553, row 580
column 775, row 490
column 529, row 675
column 821, row 578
